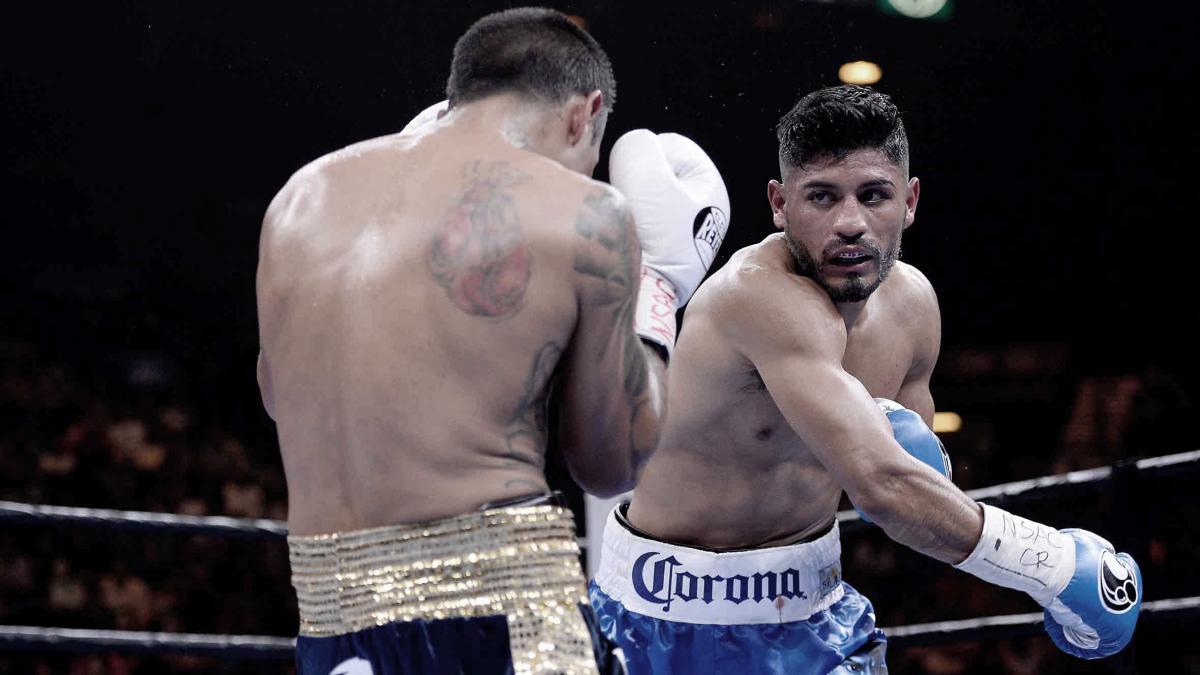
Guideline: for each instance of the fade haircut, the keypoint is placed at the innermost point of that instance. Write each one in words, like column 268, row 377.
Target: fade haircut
column 835, row 121
column 532, row 51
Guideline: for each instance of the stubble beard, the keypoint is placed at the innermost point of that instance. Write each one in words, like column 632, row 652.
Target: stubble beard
column 855, row 288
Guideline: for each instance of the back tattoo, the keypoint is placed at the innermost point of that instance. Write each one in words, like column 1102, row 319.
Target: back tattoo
column 479, row 255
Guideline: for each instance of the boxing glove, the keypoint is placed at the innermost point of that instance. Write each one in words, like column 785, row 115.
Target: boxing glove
column 916, row 438
column 1092, row 595
column 1076, row 622
column 681, row 208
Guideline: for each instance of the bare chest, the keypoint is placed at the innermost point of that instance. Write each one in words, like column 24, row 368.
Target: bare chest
column 880, row 357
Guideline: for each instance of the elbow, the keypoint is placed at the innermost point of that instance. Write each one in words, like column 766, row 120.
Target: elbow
column 871, row 503
column 607, row 471
column 605, row 483
column 607, row 461
column 885, row 494
column 609, row 489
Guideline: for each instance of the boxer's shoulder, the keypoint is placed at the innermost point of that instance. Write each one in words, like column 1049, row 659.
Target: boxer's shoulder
column 561, row 198
column 757, row 302
column 911, row 285
column 913, row 301
column 604, row 250
column 307, row 186
column 590, row 196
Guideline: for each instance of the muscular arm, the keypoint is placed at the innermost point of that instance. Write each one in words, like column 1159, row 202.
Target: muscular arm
column 914, row 392
column 796, row 340
column 264, row 385
column 612, row 391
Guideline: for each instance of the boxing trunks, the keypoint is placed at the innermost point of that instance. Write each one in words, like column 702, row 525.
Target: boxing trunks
column 496, row 591
column 691, row 611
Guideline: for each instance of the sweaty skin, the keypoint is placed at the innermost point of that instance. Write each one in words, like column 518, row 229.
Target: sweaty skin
column 417, row 295
column 770, row 396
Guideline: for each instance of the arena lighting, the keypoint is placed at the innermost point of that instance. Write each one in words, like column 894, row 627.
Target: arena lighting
column 917, row 9
column 859, row 72
column 946, row 422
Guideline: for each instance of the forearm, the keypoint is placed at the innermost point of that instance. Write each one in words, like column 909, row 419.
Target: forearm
column 606, row 443
column 924, row 511
column 650, row 411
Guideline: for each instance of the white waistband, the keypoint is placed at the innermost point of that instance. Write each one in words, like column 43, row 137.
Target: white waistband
column 691, row 585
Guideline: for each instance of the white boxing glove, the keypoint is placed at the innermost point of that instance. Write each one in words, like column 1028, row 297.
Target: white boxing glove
column 681, row 209
column 423, row 122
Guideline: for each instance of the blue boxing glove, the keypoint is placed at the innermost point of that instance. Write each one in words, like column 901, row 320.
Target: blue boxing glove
column 916, row 438
column 1094, row 616
column 1092, row 595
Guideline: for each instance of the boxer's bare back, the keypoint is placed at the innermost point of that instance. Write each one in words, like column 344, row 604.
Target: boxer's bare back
column 416, row 294
column 730, row 472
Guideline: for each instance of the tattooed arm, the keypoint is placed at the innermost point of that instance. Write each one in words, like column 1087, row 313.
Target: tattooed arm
column 612, row 392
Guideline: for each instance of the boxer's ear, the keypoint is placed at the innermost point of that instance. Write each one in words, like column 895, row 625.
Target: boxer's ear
column 910, row 201
column 583, row 116
column 777, row 200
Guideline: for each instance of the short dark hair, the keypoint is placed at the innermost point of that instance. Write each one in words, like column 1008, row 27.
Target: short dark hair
column 531, row 51
column 835, row 121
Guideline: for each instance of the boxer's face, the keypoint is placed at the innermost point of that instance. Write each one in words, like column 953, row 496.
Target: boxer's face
column 843, row 219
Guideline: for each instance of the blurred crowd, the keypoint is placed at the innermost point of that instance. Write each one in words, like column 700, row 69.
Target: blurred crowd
column 124, row 442
column 135, row 438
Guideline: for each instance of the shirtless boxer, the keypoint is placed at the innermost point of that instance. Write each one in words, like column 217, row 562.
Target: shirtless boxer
column 728, row 558
column 418, row 296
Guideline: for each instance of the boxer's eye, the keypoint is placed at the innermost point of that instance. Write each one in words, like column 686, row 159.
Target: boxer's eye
column 820, row 197
column 874, row 196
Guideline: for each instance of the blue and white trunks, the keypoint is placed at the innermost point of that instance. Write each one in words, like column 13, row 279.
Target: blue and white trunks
column 499, row 591
column 690, row 611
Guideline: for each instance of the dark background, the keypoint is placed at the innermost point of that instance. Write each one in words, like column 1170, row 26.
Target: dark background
column 1054, row 141
column 144, row 142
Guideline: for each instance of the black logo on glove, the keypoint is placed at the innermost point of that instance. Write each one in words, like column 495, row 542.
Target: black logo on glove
column 1118, row 584
column 709, row 231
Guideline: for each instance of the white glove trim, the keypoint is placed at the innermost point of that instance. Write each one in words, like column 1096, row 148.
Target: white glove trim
column 1075, row 630
column 1021, row 554
column 654, row 314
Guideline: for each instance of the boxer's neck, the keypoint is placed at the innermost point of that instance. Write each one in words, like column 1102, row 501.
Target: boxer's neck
column 518, row 121
column 851, row 312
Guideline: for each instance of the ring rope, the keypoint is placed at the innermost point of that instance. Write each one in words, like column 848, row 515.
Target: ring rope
column 253, row 528
column 141, row 520
column 33, row 638
column 34, row 514
column 268, row 647
column 1037, row 488
column 1014, row 625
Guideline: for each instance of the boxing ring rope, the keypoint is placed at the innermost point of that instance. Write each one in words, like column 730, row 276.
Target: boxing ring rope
column 1005, row 493
column 147, row 521
column 1016, row 625
column 36, row 638
column 264, row 647
column 33, row 638
column 144, row 521
column 1046, row 486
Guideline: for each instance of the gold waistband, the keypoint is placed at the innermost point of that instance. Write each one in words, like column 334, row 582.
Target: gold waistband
column 513, row 561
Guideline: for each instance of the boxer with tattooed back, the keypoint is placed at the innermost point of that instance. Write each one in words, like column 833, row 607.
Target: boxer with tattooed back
column 422, row 297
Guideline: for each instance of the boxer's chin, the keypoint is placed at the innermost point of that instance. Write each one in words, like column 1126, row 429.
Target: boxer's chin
column 854, row 287
column 851, row 289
